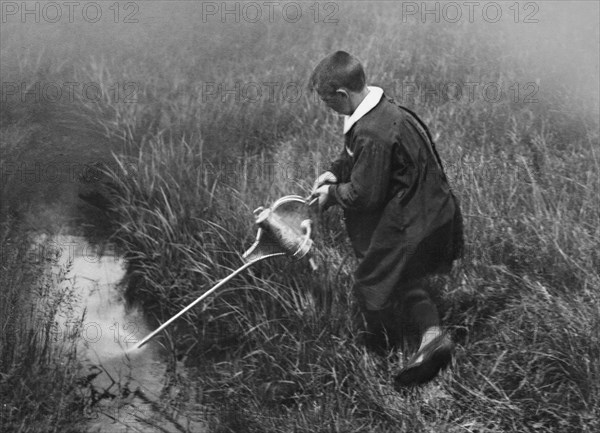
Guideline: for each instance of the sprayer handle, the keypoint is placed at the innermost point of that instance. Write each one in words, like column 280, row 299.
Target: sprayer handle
column 307, row 224
column 303, row 249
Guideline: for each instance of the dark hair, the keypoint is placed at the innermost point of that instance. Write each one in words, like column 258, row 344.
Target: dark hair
column 339, row 69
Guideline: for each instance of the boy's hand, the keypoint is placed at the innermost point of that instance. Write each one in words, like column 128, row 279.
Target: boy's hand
column 326, row 178
column 322, row 193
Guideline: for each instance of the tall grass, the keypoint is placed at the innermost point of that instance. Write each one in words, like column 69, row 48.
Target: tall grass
column 277, row 349
column 39, row 370
column 40, row 388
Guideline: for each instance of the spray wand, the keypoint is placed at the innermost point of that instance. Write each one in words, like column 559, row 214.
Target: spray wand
column 284, row 229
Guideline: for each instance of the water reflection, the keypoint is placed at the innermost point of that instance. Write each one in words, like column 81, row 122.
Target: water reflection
column 126, row 386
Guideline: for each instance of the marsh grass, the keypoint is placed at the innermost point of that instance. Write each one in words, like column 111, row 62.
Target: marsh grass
column 40, row 373
column 277, row 350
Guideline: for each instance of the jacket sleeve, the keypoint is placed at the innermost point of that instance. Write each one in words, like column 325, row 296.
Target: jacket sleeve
column 337, row 166
column 370, row 176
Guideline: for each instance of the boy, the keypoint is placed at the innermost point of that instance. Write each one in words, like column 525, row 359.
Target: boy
column 402, row 219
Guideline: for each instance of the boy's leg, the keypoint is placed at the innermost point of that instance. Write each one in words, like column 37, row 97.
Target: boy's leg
column 380, row 319
column 420, row 312
column 381, row 329
column 435, row 349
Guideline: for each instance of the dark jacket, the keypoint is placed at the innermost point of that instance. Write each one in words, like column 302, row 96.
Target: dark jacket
column 401, row 216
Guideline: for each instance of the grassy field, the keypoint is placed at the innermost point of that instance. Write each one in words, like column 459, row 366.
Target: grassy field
column 213, row 119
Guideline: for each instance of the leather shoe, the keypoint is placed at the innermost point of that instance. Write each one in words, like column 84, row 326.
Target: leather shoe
column 426, row 363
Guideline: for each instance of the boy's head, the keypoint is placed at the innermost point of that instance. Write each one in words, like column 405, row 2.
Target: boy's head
column 336, row 78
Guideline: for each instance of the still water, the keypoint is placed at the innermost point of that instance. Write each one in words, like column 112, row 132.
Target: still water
column 126, row 387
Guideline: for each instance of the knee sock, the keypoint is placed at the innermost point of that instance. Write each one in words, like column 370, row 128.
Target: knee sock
column 422, row 314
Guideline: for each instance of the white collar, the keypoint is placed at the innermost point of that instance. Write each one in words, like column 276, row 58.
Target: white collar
column 366, row 105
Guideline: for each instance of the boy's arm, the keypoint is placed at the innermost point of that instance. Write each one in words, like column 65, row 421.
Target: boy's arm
column 336, row 166
column 332, row 175
column 370, row 177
